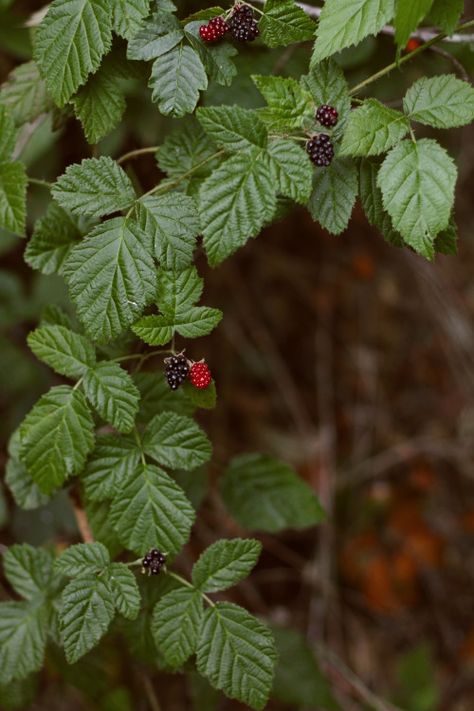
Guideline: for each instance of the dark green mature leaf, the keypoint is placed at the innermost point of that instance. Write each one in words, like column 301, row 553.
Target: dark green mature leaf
column 443, row 101
column 372, row 202
column 176, row 441
column 110, row 462
column 236, row 201
column 156, row 396
column 417, row 181
column 343, row 24
column 128, row 16
column 66, row 352
column 265, row 494
column 293, row 171
column 205, row 398
column 373, row 128
column 98, row 515
column 176, row 80
column 123, row 585
column 86, row 613
column 28, row 570
column 8, row 133
column 99, row 105
column 95, row 187
column 186, row 148
column 151, row 511
column 13, row 182
column 236, row 652
column 233, row 127
column 70, row 42
column 157, row 36
column 446, row 241
column 112, row 392
column 283, row 23
column 23, row 630
column 53, row 237
column 24, row 490
column 111, row 276
column 83, row 559
column 25, row 94
column 446, row 14
column 216, row 58
column 56, row 437
column 334, row 192
column 288, row 102
column 408, row 16
column 327, row 85
column 176, row 623
column 225, row 563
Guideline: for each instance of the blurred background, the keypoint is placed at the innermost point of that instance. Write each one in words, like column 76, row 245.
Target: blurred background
column 348, row 358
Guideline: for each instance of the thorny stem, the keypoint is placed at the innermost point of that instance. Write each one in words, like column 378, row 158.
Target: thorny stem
column 183, row 581
column 136, row 153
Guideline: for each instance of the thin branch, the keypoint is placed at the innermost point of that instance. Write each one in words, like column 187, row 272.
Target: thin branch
column 137, row 153
column 82, row 523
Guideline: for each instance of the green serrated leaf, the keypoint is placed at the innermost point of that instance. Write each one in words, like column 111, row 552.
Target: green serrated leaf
column 109, row 463
column 264, row 494
column 409, row 14
column 287, row 101
column 128, row 16
column 236, row 201
column 86, row 613
column 186, row 148
column 95, row 187
column 53, row 237
column 66, row 352
column 446, row 241
column 156, row 396
column 417, row 181
column 112, row 392
column 123, row 585
column 111, row 277
column 176, row 441
column 98, row 515
column 23, row 631
column 283, row 23
column 225, row 563
column 200, row 397
column 83, row 559
column 56, row 437
column 99, row 105
column 13, row 182
column 293, row 171
column 28, row 570
column 373, row 129
column 53, row 315
column 443, row 101
column 8, row 133
column 334, row 193
column 25, row 94
column 446, row 14
column 176, row 80
column 236, row 652
column 343, row 24
column 151, row 511
column 24, row 490
column 216, row 58
column 176, row 623
column 327, row 85
column 70, row 42
column 372, row 203
column 233, row 127
column 157, row 36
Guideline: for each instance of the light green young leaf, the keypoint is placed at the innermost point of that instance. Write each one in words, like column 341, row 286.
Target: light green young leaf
column 417, row 181
column 176, row 441
column 157, row 36
column 95, row 187
column 225, row 563
column 176, row 80
column 372, row 203
column 56, row 437
column 25, row 94
column 409, row 14
column 53, row 237
column 112, row 459
column 172, row 221
column 111, row 277
column 123, row 585
column 99, row 105
column 293, row 171
column 216, row 58
column 373, row 129
column 24, row 490
column 128, row 16
column 283, row 23
column 112, row 392
column 70, row 43
column 327, row 85
column 87, row 611
column 13, row 182
column 264, row 494
column 66, row 352
column 236, row 652
column 8, row 133
column 236, row 201
column 82, row 559
column 23, row 631
column 343, row 24
column 28, row 570
column 233, row 127
column 334, row 193
column 151, row 511
column 446, row 14
column 443, row 101
column 287, row 101
column 176, row 623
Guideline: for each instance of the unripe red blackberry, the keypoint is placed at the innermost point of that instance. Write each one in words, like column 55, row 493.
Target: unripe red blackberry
column 214, row 30
column 327, row 116
column 200, row 375
column 320, row 150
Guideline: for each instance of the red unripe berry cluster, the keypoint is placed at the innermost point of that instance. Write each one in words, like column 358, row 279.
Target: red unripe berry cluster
column 200, row 375
column 214, row 30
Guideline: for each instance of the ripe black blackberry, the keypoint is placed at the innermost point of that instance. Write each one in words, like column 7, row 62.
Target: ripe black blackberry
column 243, row 25
column 177, row 369
column 214, row 30
column 327, row 116
column 153, row 562
column 320, row 150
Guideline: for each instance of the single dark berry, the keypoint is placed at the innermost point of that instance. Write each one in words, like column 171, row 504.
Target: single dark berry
column 214, row 30
column 242, row 24
column 176, row 370
column 320, row 150
column 327, row 116
column 200, row 375
column 146, row 562
column 154, row 561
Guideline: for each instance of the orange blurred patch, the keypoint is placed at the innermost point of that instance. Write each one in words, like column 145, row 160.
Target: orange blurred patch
column 363, row 266
column 412, row 44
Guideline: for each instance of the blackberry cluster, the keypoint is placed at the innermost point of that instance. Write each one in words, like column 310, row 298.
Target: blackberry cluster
column 320, row 150
column 153, row 562
column 177, row 370
column 327, row 116
column 214, row 30
column 243, row 25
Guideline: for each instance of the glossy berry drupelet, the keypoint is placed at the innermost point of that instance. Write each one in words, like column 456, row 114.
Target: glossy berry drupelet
column 327, row 116
column 154, row 562
column 214, row 30
column 200, row 375
column 242, row 24
column 320, row 150
column 177, row 370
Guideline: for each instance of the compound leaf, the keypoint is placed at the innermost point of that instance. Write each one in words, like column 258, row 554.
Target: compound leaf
column 225, row 563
